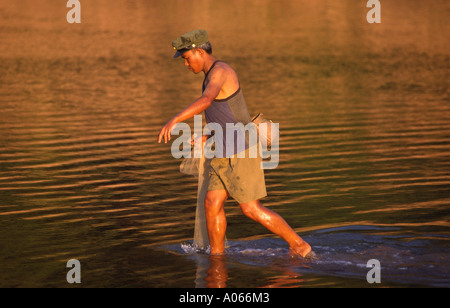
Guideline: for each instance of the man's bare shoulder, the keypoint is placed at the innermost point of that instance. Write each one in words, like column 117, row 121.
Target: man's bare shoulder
column 229, row 77
column 224, row 68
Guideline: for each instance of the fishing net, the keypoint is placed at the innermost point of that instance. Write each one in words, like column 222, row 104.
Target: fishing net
column 197, row 167
column 200, row 167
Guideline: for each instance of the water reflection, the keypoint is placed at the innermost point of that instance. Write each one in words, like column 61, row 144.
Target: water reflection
column 217, row 274
column 280, row 268
column 212, row 272
column 363, row 109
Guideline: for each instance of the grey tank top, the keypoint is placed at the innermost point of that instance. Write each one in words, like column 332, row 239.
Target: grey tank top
column 232, row 110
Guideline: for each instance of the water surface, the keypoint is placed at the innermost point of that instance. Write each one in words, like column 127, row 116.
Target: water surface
column 364, row 170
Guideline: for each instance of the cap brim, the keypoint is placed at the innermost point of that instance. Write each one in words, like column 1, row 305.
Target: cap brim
column 180, row 52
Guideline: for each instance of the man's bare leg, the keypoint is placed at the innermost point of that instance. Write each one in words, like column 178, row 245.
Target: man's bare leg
column 215, row 220
column 275, row 223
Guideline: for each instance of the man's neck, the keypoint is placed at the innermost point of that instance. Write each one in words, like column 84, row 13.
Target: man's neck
column 209, row 60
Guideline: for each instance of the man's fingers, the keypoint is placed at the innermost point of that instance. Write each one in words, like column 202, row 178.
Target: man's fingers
column 162, row 134
column 165, row 134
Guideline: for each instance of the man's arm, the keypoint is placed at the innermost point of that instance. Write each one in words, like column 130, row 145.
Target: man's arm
column 212, row 90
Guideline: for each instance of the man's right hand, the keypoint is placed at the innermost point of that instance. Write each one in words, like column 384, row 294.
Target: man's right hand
column 166, row 130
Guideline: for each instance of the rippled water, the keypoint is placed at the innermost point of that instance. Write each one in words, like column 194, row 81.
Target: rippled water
column 364, row 114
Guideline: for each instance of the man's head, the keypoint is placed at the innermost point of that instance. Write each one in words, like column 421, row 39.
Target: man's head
column 193, row 46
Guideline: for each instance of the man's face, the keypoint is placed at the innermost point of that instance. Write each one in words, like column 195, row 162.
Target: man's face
column 193, row 60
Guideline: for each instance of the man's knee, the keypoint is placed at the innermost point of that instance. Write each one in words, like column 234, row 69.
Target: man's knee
column 214, row 202
column 250, row 209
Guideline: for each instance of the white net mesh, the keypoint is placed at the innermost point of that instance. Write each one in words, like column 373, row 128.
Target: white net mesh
column 197, row 167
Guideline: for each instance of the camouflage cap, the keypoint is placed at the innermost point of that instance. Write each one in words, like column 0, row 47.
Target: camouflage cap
column 188, row 41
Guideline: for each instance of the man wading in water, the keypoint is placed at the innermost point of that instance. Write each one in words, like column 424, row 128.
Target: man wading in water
column 241, row 178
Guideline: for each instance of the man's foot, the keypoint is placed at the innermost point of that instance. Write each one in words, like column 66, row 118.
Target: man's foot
column 302, row 249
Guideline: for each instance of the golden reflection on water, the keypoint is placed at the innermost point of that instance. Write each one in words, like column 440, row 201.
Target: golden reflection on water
column 363, row 109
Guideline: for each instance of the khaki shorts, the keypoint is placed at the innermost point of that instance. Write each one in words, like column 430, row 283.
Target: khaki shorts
column 243, row 178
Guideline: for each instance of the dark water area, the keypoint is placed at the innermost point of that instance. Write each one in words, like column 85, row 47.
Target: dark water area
column 364, row 115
